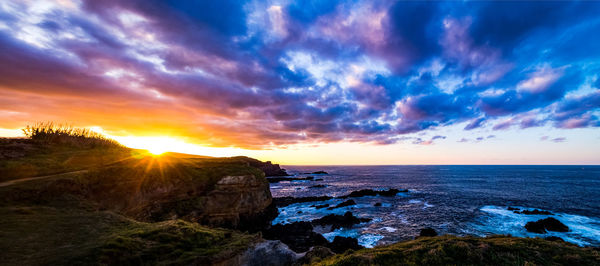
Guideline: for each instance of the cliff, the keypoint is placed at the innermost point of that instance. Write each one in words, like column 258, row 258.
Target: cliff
column 139, row 208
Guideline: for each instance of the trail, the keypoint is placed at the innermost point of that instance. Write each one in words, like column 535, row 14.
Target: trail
column 16, row 181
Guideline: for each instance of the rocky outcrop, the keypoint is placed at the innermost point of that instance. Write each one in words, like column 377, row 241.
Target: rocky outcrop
column 270, row 169
column 235, row 199
column 241, row 202
column 549, row 224
column 427, row 232
column 299, row 236
column 266, row 253
column 338, row 221
column 340, row 244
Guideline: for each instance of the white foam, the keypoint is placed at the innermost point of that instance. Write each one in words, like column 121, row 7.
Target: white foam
column 365, row 240
column 584, row 230
column 389, row 229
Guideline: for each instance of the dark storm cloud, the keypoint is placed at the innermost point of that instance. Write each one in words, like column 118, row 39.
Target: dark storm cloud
column 253, row 74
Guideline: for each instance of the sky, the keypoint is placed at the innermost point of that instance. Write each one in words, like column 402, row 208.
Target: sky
column 312, row 82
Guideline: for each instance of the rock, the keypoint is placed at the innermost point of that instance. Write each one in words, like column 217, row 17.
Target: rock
column 534, row 212
column 299, row 236
column 340, row 244
column 549, row 224
column 240, row 202
column 343, row 204
column 512, row 209
column 320, row 206
column 427, row 232
column 319, row 173
column 318, row 179
column 279, row 179
column 266, row 253
column 285, row 201
column 554, row 238
column 316, row 254
column 267, row 167
column 338, row 221
column 318, row 186
column 369, row 192
column 378, row 204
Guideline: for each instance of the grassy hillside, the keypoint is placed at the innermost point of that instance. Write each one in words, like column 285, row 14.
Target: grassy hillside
column 96, row 216
column 86, row 217
column 452, row 250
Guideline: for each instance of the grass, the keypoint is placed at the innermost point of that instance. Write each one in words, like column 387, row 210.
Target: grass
column 75, row 235
column 109, row 215
column 51, row 133
column 51, row 149
column 453, row 250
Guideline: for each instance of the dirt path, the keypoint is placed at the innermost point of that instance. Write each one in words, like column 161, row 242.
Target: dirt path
column 16, row 181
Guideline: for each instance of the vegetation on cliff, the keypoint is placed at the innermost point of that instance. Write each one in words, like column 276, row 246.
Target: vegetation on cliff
column 453, row 250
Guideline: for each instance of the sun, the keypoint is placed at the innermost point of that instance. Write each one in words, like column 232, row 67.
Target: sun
column 156, row 150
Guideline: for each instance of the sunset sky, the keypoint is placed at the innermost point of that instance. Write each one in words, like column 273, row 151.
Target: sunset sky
column 312, row 82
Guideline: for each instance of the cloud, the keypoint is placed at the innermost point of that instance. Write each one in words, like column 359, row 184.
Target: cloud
column 257, row 75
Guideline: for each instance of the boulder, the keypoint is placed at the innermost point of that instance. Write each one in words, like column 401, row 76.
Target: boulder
column 267, row 253
column 343, row 204
column 299, row 236
column 338, row 221
column 549, row 224
column 316, row 254
column 340, row 244
column 428, row 231
column 512, row 209
column 378, row 204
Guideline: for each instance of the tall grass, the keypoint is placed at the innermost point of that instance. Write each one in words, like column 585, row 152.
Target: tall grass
column 51, row 133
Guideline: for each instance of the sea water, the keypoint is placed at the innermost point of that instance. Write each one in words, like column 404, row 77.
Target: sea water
column 459, row 200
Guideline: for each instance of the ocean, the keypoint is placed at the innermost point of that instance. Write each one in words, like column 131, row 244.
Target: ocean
column 458, row 200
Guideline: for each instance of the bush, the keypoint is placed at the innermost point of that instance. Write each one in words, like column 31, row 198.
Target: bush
column 50, row 133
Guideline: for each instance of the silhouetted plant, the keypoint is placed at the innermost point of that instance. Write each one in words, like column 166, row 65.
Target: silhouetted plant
column 50, row 133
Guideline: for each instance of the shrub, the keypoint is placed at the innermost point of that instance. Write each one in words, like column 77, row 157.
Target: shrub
column 50, row 133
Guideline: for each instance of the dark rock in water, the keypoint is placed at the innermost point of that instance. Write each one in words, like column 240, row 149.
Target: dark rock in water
column 343, row 204
column 319, row 173
column 299, row 212
column 512, row 209
column 554, row 238
column 279, row 179
column 319, row 179
column 299, row 236
column 338, row 221
column 427, row 232
column 549, row 224
column 315, row 254
column 318, row 186
column 320, row 206
column 534, row 212
column 340, row 244
column 369, row 192
column 285, row 201
column 378, row 204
